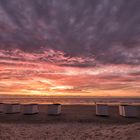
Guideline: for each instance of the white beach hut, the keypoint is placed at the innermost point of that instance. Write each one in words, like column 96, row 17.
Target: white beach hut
column 1, row 107
column 54, row 109
column 128, row 111
column 12, row 108
column 121, row 109
column 29, row 109
column 102, row 110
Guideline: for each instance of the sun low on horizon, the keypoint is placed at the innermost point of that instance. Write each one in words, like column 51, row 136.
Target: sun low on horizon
column 70, row 47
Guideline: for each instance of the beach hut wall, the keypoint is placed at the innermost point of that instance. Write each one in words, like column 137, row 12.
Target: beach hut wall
column 102, row 110
column 1, row 107
column 12, row 108
column 30, row 109
column 54, row 109
column 128, row 111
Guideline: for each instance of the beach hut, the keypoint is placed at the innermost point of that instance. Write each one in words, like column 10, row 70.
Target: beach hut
column 29, row 109
column 12, row 108
column 102, row 110
column 121, row 109
column 1, row 107
column 54, row 109
column 128, row 111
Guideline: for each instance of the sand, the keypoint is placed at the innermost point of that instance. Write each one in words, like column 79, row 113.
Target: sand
column 75, row 123
column 69, row 131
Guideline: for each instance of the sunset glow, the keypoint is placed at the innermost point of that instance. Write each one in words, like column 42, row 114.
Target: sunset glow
column 69, row 50
column 30, row 75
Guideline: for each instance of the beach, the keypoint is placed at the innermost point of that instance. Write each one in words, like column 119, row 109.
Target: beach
column 77, row 122
column 69, row 131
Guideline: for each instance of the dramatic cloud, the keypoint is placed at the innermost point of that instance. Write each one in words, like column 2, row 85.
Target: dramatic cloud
column 84, row 47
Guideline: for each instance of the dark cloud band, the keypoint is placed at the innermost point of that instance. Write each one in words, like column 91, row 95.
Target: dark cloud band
column 106, row 30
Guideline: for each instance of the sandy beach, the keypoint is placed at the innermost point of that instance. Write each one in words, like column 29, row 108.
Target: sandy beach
column 77, row 122
column 69, row 131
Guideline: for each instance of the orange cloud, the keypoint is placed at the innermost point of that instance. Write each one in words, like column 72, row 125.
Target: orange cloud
column 24, row 73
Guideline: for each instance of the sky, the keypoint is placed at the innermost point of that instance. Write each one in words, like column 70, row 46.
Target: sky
column 70, row 47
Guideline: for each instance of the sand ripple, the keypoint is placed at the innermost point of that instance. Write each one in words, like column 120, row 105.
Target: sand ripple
column 69, row 131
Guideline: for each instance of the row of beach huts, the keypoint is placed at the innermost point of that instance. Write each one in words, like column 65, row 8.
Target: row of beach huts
column 55, row 109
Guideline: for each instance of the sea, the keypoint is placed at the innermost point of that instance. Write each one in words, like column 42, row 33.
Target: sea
column 68, row 100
